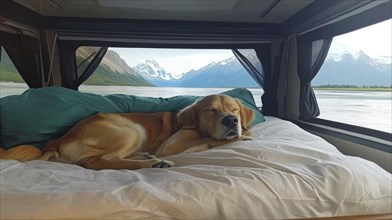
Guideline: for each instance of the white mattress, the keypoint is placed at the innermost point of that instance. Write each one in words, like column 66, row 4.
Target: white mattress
column 284, row 173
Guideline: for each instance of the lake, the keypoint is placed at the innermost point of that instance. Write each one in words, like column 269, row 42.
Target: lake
column 371, row 109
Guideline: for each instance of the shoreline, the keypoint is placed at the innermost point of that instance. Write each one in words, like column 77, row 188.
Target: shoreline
column 359, row 89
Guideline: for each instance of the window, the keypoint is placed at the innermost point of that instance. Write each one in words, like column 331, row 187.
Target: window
column 354, row 84
column 11, row 83
column 166, row 72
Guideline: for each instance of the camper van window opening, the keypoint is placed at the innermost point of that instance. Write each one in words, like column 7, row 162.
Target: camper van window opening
column 354, row 85
column 11, row 82
column 160, row 72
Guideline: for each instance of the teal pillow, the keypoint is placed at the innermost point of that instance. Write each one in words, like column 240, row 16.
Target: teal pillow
column 40, row 115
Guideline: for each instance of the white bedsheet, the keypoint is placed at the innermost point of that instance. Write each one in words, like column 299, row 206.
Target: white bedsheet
column 284, row 173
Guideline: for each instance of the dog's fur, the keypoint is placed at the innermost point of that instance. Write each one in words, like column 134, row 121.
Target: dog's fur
column 129, row 140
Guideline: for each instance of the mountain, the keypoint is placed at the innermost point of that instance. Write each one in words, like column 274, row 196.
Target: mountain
column 226, row 73
column 347, row 66
column 155, row 73
column 113, row 70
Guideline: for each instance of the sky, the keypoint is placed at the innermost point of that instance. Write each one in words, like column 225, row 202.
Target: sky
column 375, row 40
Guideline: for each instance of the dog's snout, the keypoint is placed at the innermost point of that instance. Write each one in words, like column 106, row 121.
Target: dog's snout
column 230, row 121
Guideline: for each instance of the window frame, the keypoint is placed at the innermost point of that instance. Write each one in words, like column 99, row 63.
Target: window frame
column 369, row 137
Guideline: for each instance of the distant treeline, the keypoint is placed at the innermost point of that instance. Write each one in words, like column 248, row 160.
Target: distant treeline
column 354, row 87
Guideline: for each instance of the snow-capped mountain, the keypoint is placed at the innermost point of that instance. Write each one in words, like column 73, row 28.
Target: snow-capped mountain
column 348, row 66
column 339, row 51
column 226, row 73
column 154, row 73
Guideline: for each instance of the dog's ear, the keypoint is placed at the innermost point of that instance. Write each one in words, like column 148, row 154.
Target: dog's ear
column 246, row 114
column 187, row 118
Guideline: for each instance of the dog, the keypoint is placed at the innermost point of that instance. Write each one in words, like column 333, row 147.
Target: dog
column 138, row 140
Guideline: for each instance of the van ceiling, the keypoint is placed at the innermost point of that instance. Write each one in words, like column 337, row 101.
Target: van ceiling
column 250, row 11
column 224, row 21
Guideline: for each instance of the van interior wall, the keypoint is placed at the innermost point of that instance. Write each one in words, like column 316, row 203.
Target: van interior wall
column 381, row 158
column 46, row 42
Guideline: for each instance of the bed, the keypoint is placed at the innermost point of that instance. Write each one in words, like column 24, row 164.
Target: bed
column 283, row 173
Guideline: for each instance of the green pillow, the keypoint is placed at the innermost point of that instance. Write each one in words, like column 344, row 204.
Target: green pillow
column 40, row 115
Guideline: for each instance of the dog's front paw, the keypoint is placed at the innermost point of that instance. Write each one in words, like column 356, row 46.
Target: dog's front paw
column 163, row 164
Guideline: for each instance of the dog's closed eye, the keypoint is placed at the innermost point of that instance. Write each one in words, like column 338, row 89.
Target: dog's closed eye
column 211, row 110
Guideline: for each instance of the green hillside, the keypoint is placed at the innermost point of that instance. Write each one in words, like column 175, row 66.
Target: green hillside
column 103, row 75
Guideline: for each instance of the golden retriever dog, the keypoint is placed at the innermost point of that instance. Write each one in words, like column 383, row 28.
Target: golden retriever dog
column 137, row 140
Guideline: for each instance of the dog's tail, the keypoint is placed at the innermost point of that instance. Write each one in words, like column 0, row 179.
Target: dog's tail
column 21, row 153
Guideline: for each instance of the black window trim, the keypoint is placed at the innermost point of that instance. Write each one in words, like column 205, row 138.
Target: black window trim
column 372, row 138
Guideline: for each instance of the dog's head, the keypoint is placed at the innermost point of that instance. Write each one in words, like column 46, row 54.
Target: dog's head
column 217, row 116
